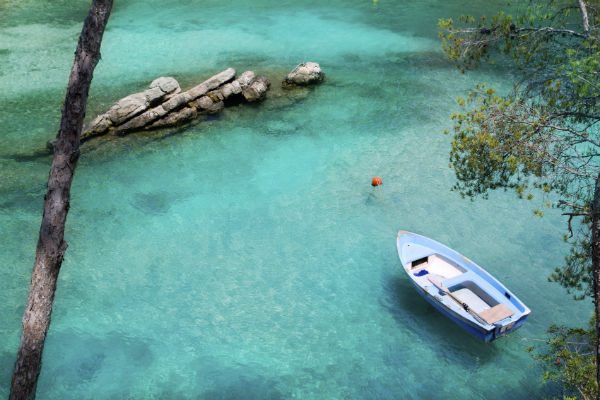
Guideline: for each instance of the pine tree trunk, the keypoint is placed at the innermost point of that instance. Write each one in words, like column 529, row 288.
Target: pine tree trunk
column 596, row 268
column 51, row 245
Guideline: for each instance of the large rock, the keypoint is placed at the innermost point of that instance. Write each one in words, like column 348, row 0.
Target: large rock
column 253, row 88
column 100, row 125
column 132, row 106
column 214, row 101
column 177, row 101
column 221, row 78
column 230, row 89
column 166, row 84
column 209, row 105
column 246, row 78
column 256, row 90
column 164, row 104
column 304, row 74
column 178, row 117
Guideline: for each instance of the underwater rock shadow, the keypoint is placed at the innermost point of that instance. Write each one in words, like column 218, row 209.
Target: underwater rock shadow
column 404, row 60
column 419, row 60
column 156, row 202
column 79, row 358
column 152, row 203
column 523, row 389
column 411, row 311
column 227, row 383
column 244, row 388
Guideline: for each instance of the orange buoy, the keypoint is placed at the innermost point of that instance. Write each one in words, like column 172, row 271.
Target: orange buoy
column 376, row 181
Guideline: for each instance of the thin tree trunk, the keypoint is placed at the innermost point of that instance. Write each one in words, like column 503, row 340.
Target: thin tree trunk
column 596, row 268
column 51, row 245
column 584, row 16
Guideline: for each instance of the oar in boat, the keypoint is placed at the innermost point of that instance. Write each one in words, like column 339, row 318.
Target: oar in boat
column 468, row 309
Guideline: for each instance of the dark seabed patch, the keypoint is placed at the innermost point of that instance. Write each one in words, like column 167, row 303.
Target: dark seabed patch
column 79, row 358
column 241, row 384
column 153, row 202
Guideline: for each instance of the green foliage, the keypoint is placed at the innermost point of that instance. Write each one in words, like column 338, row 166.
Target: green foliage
column 569, row 359
column 487, row 150
column 576, row 274
column 542, row 137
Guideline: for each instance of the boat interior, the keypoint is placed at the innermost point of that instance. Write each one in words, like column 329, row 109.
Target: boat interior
column 435, row 264
column 465, row 286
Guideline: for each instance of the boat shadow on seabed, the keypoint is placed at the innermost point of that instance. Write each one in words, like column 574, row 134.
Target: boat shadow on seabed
column 414, row 313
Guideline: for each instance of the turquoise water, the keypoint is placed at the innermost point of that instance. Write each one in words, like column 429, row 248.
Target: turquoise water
column 248, row 257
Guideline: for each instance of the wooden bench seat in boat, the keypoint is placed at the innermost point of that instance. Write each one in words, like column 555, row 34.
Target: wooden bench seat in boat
column 491, row 315
column 496, row 313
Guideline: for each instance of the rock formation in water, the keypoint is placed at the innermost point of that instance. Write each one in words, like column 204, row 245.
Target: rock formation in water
column 304, row 74
column 165, row 105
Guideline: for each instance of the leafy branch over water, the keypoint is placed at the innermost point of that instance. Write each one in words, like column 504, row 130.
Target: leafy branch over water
column 542, row 136
column 568, row 356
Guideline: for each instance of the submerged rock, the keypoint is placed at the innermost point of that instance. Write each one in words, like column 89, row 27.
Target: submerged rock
column 308, row 73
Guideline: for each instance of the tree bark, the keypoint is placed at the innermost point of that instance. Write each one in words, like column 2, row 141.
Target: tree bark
column 51, row 245
column 596, row 269
column 584, row 16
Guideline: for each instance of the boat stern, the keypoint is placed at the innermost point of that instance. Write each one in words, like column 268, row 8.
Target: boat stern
column 510, row 327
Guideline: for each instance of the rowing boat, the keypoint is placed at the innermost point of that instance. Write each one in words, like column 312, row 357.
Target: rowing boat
column 459, row 288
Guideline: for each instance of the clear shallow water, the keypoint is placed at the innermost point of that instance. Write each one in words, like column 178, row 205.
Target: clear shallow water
column 248, row 256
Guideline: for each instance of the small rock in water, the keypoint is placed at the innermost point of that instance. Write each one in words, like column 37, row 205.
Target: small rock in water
column 307, row 73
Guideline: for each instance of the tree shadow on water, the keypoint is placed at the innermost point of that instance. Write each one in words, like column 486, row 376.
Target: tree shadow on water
column 413, row 313
column 40, row 155
column 7, row 363
column 28, row 201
